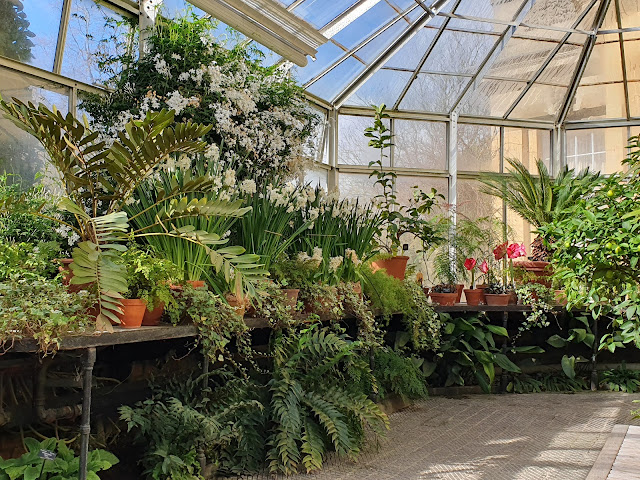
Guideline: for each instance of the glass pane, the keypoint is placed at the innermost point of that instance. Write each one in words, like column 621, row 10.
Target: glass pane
column 353, row 146
column 327, row 55
column 539, row 34
column 459, row 52
column 629, row 13
column 316, row 178
column 366, row 24
column 478, row 148
column 600, row 150
column 632, row 58
column 519, row 230
column 177, row 8
column 561, row 69
column 329, row 86
column 384, row 86
column 314, row 145
column 358, row 185
column 528, row 145
column 405, row 187
column 605, row 65
column 556, row 13
column 318, row 12
column 29, row 31
column 521, row 59
column 20, row 153
column 410, row 55
column 542, row 102
column 420, row 144
column 492, row 98
column 369, row 52
column 598, row 101
column 503, row 10
column 473, row 204
column 634, row 99
column 434, row 93
column 92, row 36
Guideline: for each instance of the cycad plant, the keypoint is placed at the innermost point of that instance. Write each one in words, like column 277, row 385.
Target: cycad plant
column 99, row 179
column 539, row 199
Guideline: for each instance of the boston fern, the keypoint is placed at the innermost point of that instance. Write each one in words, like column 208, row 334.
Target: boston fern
column 313, row 406
column 100, row 179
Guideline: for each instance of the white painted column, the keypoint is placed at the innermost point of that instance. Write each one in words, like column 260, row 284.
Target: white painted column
column 146, row 21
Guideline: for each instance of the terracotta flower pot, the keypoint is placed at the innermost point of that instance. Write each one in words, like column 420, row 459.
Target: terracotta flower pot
column 460, row 288
column 132, row 312
column 152, row 317
column 542, row 271
column 193, row 283
column 240, row 306
column 291, row 297
column 444, row 299
column 498, row 299
column 394, row 266
column 513, row 298
column 475, row 296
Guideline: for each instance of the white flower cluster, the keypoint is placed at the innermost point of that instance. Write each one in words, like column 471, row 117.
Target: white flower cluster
column 353, row 256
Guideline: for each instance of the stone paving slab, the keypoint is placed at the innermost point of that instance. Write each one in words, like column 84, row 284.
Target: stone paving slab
column 627, row 463
column 491, row 437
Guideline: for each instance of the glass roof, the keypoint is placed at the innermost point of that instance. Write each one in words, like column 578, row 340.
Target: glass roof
column 503, row 59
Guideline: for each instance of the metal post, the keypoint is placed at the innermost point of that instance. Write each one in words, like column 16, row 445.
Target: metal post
column 146, row 21
column 452, row 166
column 85, row 428
column 594, row 354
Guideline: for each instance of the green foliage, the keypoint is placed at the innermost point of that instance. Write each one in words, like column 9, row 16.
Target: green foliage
column 28, row 261
column 540, row 298
column 386, row 293
column 15, row 36
column 468, row 345
column 43, row 310
column 540, row 199
column 148, row 277
column 186, row 423
column 395, row 373
column 621, row 379
column 313, row 406
column 217, row 322
column 554, row 382
column 397, row 219
column 65, row 466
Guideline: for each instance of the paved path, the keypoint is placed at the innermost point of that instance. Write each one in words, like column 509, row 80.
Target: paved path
column 491, row 437
column 627, row 463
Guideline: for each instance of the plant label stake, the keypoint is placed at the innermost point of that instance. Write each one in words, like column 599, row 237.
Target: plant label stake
column 45, row 455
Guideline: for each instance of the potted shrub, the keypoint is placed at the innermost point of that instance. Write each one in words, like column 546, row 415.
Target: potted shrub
column 447, row 274
column 475, row 296
column 444, row 294
column 398, row 219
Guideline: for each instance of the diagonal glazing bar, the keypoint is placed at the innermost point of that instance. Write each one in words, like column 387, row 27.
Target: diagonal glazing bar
column 548, row 60
column 424, row 58
column 624, row 60
column 582, row 62
column 493, row 54
column 408, row 34
column 380, row 31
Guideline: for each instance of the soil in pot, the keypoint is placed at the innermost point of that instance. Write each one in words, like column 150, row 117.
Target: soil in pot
column 498, row 299
column 132, row 312
column 395, row 266
column 444, row 299
column 152, row 317
column 475, row 296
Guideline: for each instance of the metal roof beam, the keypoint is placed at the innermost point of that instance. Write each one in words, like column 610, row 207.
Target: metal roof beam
column 582, row 63
column 548, row 60
column 494, row 53
column 430, row 13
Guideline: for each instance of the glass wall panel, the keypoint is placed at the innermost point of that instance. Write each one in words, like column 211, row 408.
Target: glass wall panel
column 405, row 188
column 20, row 153
column 595, row 102
column 473, row 204
column 478, row 148
column 420, row 144
column 634, row 99
column 492, row 98
column 459, row 52
column 337, row 79
column 556, row 13
column 528, row 145
column 410, row 54
column 561, row 69
column 600, row 150
column 29, row 31
column 519, row 230
column 92, row 36
column 358, row 185
column 316, row 178
column 542, row 103
column 521, row 58
column 434, row 93
column 327, row 54
column 353, row 146
column 503, row 10
column 605, row 65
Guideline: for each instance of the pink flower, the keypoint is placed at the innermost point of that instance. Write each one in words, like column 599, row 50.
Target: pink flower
column 470, row 263
column 516, row 251
column 484, row 267
column 500, row 251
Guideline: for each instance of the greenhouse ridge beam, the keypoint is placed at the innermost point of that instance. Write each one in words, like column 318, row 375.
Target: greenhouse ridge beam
column 430, row 13
column 549, row 59
column 582, row 63
column 493, row 54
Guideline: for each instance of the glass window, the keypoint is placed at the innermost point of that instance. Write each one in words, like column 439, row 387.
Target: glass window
column 20, row 153
column 478, row 148
column 459, row 52
column 353, row 146
column 434, row 93
column 316, row 178
column 420, row 144
column 358, row 186
column 593, row 102
column 384, row 86
column 29, row 31
column 405, row 187
column 93, row 35
column 492, row 98
column 600, row 150
column 541, row 102
column 473, row 204
column 528, row 145
column 519, row 230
